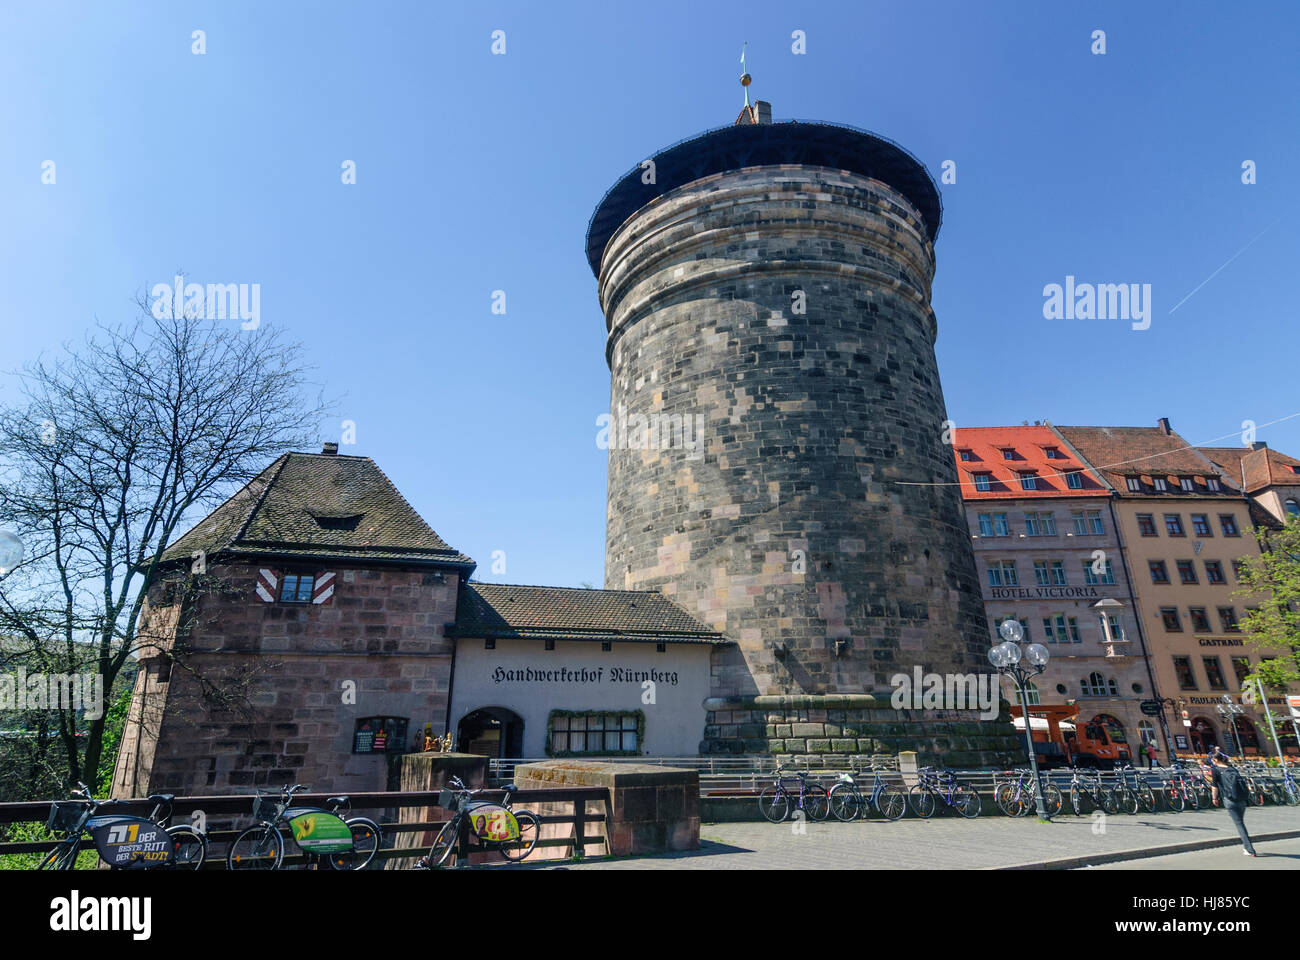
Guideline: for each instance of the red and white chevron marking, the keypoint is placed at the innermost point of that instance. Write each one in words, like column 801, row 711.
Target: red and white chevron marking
column 323, row 592
column 267, row 582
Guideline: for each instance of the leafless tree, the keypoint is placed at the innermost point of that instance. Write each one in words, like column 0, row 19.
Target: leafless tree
column 117, row 446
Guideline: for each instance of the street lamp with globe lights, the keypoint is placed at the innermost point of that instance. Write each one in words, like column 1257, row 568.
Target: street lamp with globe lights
column 1008, row 659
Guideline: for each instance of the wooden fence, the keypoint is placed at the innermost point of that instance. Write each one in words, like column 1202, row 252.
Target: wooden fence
column 588, row 805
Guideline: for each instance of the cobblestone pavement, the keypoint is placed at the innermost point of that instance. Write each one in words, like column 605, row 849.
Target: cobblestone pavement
column 1273, row 855
column 946, row 842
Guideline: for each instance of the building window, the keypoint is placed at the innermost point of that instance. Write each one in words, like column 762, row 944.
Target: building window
column 1158, row 572
column 1147, row 731
column 1002, row 573
column 986, row 525
column 1008, row 454
column 1028, row 480
column 1031, row 694
column 1228, row 617
column 1116, row 628
column 967, row 455
column 297, row 588
column 1174, row 525
column 1241, row 667
column 1188, row 484
column 994, row 525
column 1053, row 453
column 1134, row 484
column 606, row 646
column 1092, row 578
column 1146, row 524
column 1074, row 480
column 595, row 734
column 1170, row 616
column 1201, row 525
column 1040, row 524
column 1214, row 572
column 1186, row 571
column 1200, row 620
column 550, row 644
column 1228, row 523
column 1159, row 485
column 1024, row 625
column 661, row 648
column 1293, row 508
column 982, row 481
column 1058, row 574
column 1212, row 484
column 1214, row 673
column 1061, row 629
column 490, row 643
column 1098, row 686
column 380, row 735
column 1183, row 670
column 1238, row 568
column 1041, row 576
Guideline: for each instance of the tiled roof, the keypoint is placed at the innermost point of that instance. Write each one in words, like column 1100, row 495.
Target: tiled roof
column 1147, row 452
column 567, row 613
column 987, row 448
column 321, row 506
column 1263, row 467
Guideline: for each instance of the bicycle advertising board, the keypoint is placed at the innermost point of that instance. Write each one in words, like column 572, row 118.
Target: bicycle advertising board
column 319, row 831
column 130, row 841
column 490, row 821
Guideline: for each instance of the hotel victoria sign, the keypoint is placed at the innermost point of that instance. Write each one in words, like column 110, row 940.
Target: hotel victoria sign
column 1045, row 593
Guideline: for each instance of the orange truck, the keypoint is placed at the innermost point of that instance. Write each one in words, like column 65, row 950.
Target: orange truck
column 1061, row 741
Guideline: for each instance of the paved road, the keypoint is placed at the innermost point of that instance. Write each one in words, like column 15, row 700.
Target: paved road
column 1273, row 855
column 945, row 842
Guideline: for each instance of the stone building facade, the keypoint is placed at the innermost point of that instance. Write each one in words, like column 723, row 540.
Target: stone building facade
column 1049, row 550
column 772, row 287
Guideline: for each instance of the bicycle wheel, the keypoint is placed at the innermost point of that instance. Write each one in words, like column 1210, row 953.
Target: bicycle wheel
column 774, row 805
column 891, row 803
column 966, row 801
column 1192, row 796
column 922, row 801
column 1052, row 798
column 1126, row 801
column 846, row 804
column 1006, row 798
column 365, row 844
column 1174, row 797
column 816, row 801
column 189, row 848
column 1147, row 798
column 1292, row 792
column 443, row 845
column 1079, row 801
column 257, row 848
column 530, row 828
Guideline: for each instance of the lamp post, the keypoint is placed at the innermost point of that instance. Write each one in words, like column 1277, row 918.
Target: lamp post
column 1007, row 659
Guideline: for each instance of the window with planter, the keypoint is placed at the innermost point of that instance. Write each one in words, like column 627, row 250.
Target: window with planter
column 380, row 735
column 594, row 733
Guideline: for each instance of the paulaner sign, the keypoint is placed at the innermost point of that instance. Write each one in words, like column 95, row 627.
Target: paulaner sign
column 583, row 675
column 1044, row 593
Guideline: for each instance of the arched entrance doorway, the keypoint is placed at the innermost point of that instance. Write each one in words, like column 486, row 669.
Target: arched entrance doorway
column 1247, row 737
column 1203, row 735
column 491, row 732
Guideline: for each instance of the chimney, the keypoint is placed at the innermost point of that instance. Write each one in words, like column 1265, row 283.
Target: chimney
column 763, row 111
column 1258, row 445
column 330, row 450
column 1163, row 424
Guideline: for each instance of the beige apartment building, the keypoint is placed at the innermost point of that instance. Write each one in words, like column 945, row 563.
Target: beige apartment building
column 1048, row 552
column 1184, row 525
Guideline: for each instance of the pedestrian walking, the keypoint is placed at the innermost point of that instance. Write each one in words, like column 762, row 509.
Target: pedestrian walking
column 1229, row 785
column 1151, row 755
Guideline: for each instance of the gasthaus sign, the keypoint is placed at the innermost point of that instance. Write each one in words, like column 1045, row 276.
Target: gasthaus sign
column 522, row 677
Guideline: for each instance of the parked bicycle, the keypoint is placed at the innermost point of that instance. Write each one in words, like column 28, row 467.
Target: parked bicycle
column 935, row 785
column 1016, row 793
column 495, row 826
column 777, row 801
column 1130, row 798
column 1181, row 787
column 848, row 803
column 1088, row 793
column 123, row 842
column 1288, row 787
column 321, row 834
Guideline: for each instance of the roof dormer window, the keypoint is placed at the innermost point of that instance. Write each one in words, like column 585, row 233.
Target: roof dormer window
column 337, row 521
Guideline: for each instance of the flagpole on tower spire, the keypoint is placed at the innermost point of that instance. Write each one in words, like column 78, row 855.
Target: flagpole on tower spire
column 744, row 72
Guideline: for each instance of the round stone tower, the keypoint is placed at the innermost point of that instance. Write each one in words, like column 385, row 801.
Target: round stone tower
column 779, row 462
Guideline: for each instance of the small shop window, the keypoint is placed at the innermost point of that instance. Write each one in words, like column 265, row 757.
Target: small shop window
column 571, row 733
column 380, row 735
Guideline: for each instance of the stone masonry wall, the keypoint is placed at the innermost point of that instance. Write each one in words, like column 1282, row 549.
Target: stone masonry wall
column 809, row 526
column 384, row 632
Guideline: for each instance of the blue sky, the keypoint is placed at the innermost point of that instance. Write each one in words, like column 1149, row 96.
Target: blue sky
column 478, row 172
